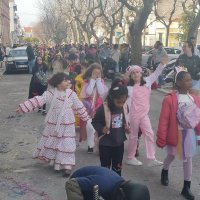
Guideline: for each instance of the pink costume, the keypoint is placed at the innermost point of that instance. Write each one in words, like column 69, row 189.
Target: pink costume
column 58, row 143
column 139, row 108
column 92, row 96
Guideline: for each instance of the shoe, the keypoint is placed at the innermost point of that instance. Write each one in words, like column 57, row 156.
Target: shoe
column 44, row 112
column 90, row 150
column 67, row 173
column 39, row 110
column 73, row 190
column 154, row 162
column 52, row 162
column 186, row 192
column 164, row 177
column 134, row 162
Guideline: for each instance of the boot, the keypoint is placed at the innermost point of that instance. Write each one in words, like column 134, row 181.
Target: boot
column 164, row 177
column 186, row 191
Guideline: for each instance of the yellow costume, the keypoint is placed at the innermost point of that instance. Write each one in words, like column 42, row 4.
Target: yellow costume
column 79, row 82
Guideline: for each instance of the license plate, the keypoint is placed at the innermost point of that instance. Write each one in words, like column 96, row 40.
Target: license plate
column 22, row 66
column 111, row 71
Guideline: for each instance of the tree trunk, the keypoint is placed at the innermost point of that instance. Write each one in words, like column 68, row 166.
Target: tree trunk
column 194, row 26
column 94, row 34
column 73, row 33
column 112, row 29
column 167, row 36
column 136, row 28
column 136, row 45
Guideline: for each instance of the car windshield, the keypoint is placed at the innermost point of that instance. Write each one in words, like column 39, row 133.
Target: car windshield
column 18, row 53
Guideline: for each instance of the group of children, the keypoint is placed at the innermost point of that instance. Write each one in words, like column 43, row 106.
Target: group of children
column 119, row 115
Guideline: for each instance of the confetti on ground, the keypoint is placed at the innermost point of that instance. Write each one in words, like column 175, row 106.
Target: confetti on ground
column 16, row 189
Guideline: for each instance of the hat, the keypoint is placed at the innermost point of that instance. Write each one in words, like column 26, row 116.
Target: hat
column 133, row 68
column 59, row 54
column 135, row 191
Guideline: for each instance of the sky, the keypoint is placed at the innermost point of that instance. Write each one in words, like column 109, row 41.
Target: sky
column 27, row 11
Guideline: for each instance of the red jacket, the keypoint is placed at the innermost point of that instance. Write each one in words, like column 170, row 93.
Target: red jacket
column 167, row 133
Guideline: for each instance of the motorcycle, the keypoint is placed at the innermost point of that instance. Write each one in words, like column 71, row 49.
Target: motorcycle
column 169, row 72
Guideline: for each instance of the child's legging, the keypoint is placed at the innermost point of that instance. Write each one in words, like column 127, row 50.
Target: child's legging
column 187, row 166
column 90, row 133
column 111, row 157
column 145, row 125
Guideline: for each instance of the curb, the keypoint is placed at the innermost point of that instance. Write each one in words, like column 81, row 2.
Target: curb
column 2, row 71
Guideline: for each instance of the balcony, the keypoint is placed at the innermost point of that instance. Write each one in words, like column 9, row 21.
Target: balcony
column 15, row 7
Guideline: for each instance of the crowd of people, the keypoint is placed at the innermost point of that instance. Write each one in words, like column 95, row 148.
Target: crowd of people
column 107, row 117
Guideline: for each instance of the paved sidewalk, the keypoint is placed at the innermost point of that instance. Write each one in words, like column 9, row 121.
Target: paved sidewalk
column 2, row 70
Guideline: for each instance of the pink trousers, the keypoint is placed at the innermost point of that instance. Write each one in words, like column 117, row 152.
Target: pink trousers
column 145, row 125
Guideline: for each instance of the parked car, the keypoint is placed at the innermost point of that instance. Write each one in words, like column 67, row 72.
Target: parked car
column 146, row 49
column 173, row 53
column 17, row 60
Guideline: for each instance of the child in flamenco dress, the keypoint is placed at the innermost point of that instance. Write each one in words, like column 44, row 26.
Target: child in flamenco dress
column 173, row 133
column 57, row 144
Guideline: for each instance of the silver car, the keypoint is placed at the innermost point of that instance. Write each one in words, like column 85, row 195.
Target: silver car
column 173, row 53
column 17, row 60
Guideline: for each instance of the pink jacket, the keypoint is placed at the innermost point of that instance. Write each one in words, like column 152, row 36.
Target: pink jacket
column 167, row 133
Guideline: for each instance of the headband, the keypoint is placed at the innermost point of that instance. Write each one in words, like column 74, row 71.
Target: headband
column 178, row 70
column 133, row 68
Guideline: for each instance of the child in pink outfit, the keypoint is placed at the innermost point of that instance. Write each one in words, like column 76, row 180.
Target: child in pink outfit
column 92, row 94
column 139, row 108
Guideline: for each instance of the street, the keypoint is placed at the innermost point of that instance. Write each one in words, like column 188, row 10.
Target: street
column 23, row 178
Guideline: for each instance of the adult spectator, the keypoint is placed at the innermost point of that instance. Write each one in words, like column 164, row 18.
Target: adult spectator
column 111, row 186
column 104, row 51
column 157, row 55
column 2, row 54
column 116, row 56
column 192, row 63
column 31, row 57
column 39, row 81
column 91, row 53
column 124, row 58
column 58, row 64
column 195, row 50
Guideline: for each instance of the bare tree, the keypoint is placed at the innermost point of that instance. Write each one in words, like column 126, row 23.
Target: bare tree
column 112, row 12
column 165, row 17
column 142, row 10
column 53, row 22
column 195, row 23
column 83, row 14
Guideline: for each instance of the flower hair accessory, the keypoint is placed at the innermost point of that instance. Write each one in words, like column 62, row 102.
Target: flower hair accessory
column 116, row 88
column 178, row 70
column 133, row 68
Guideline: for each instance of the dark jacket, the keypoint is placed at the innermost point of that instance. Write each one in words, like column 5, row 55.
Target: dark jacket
column 36, row 88
column 30, row 53
column 116, row 136
column 191, row 63
column 107, row 180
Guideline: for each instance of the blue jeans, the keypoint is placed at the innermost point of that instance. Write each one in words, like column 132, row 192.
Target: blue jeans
column 31, row 64
column 161, row 80
column 195, row 85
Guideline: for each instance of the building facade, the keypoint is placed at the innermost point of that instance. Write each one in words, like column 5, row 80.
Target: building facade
column 15, row 28
column 4, row 22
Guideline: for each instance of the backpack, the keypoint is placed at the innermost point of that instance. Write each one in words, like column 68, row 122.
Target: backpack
column 188, row 116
